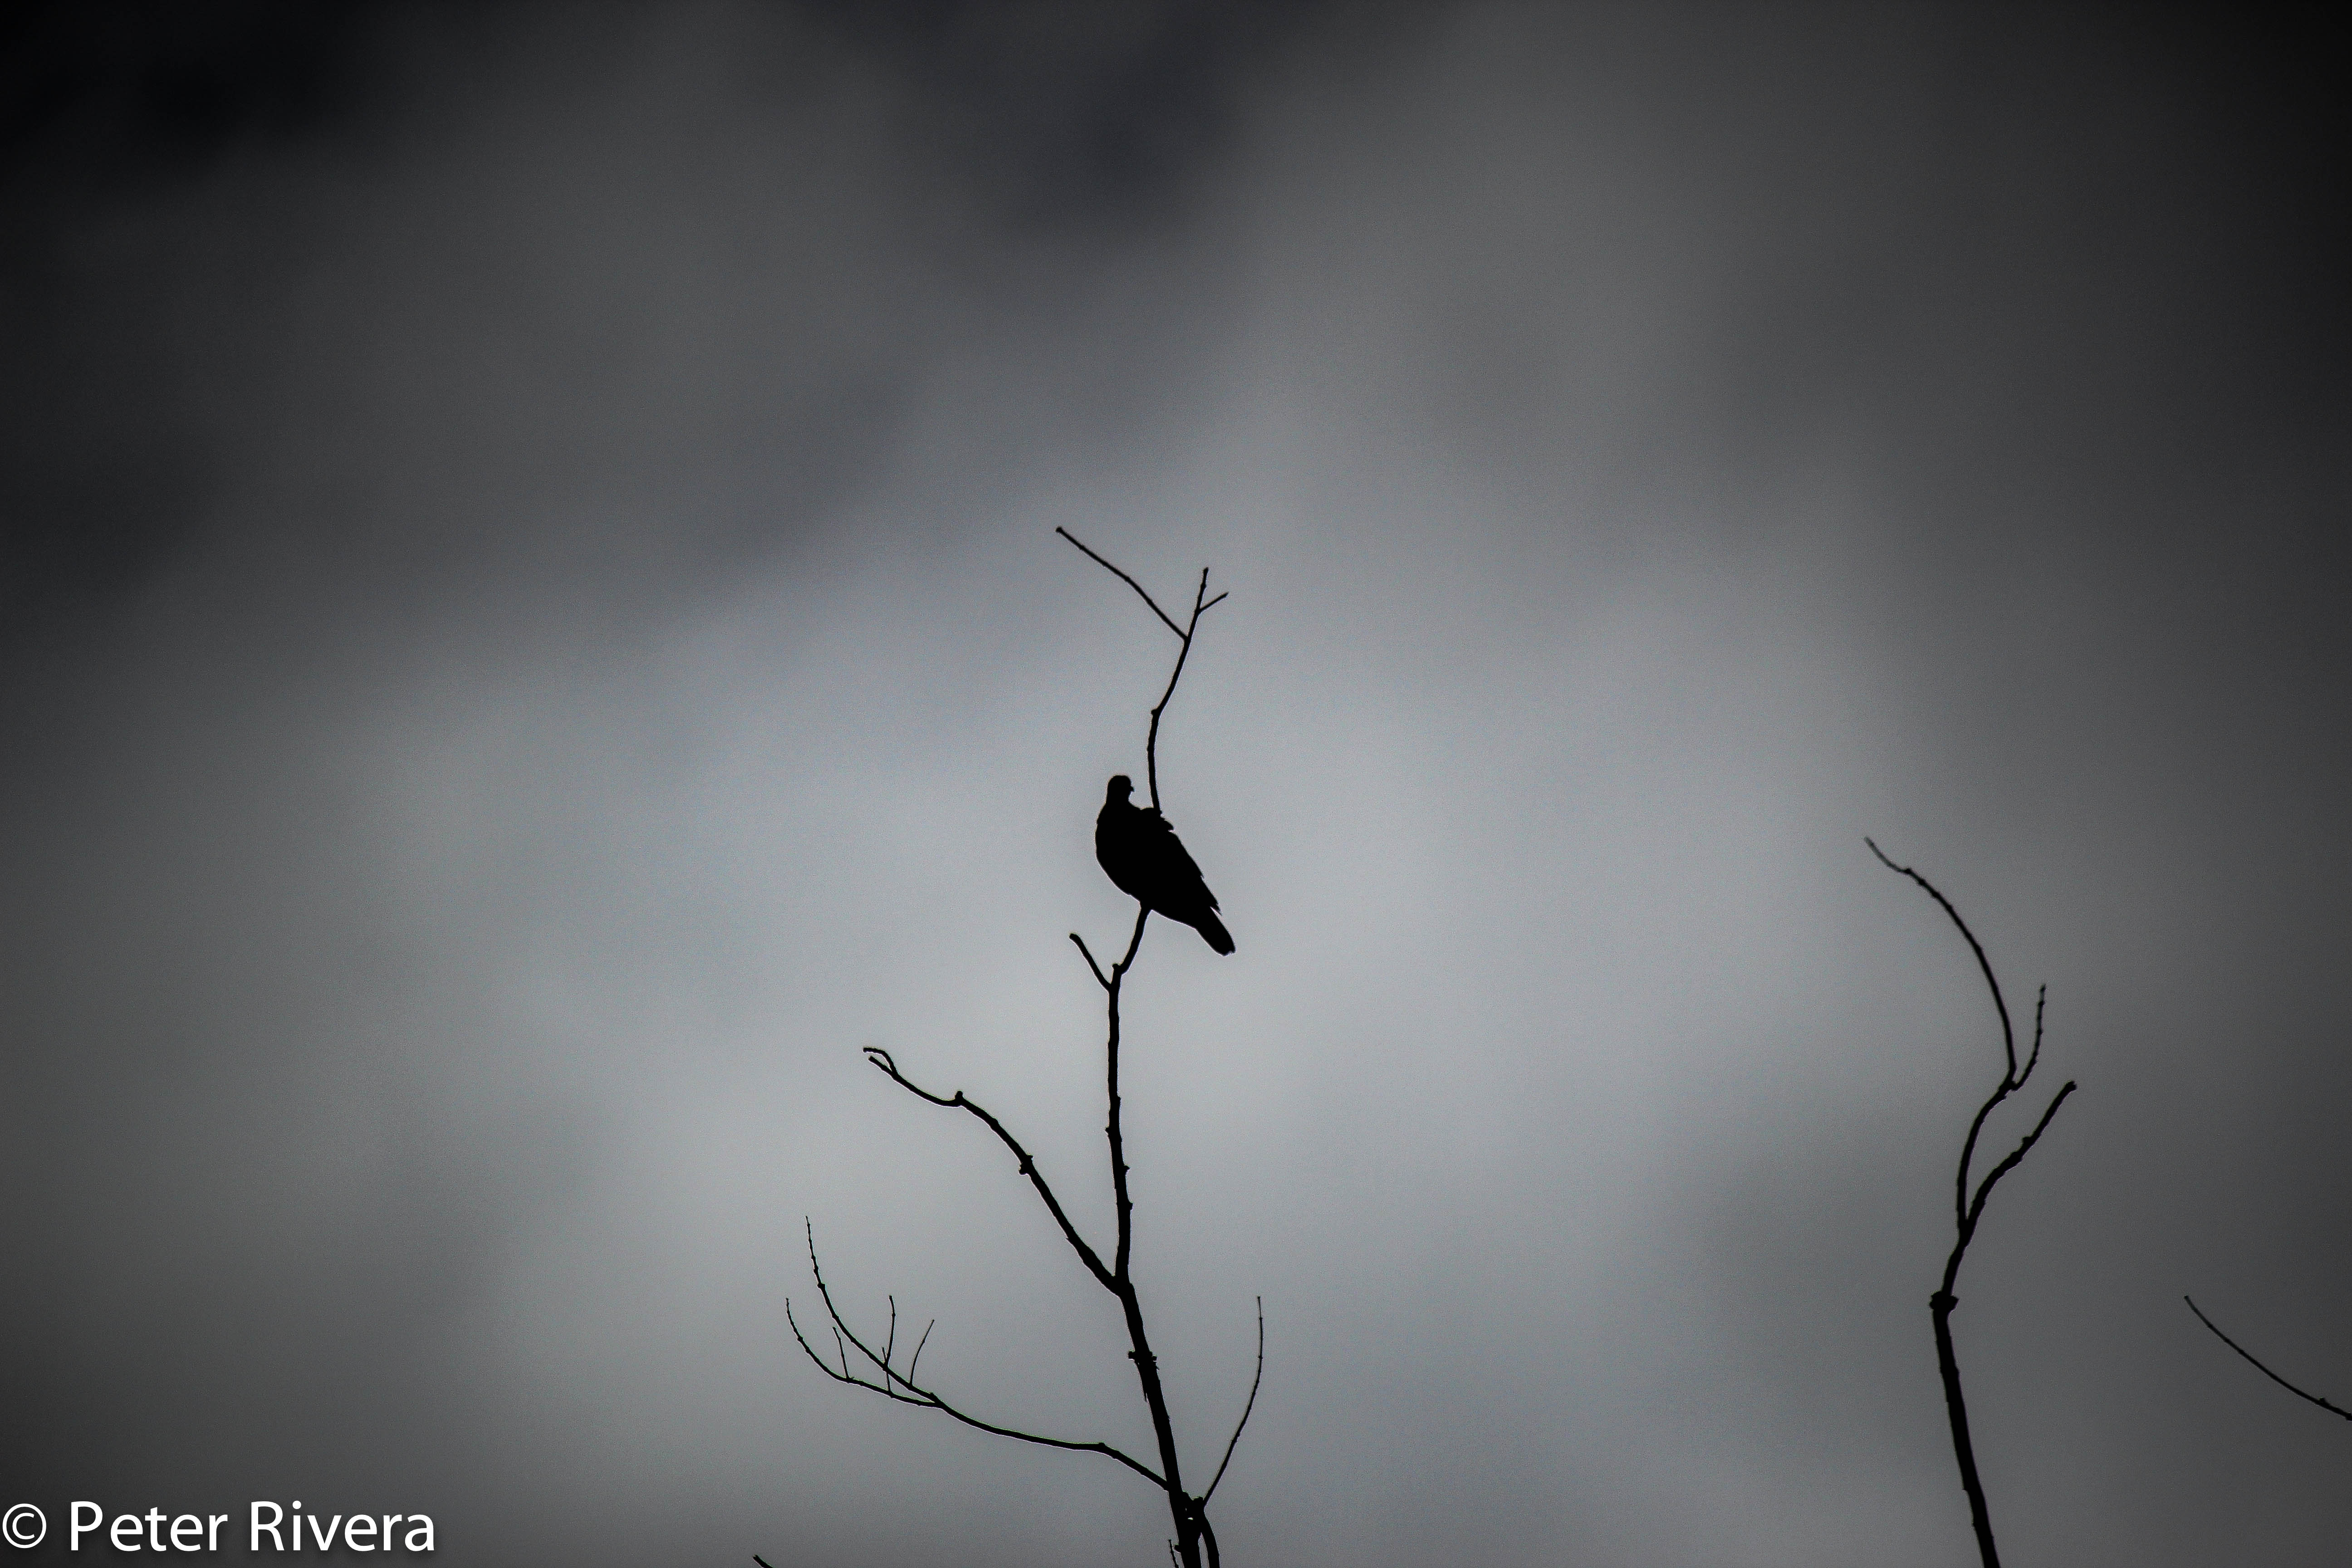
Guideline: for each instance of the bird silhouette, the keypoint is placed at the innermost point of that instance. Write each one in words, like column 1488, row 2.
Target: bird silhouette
column 1140, row 852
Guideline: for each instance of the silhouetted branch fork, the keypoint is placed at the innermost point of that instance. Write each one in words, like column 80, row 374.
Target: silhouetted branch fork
column 2012, row 1081
column 894, row 1380
column 1202, row 604
column 1151, row 735
column 1090, row 960
column 1208, row 1536
column 958, row 1102
column 1976, row 1210
column 1118, row 969
column 1130, row 581
column 2265, row 1370
column 1968, row 1212
column 1252, row 1405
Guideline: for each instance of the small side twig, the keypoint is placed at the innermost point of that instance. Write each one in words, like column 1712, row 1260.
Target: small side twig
column 1249, row 1405
column 959, row 1102
column 1202, row 604
column 901, row 1386
column 1123, row 577
column 2266, row 1371
column 1099, row 978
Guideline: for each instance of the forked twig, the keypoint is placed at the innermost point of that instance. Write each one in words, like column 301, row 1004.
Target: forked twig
column 1123, row 577
column 2266, row 1371
column 1028, row 1164
column 894, row 1381
column 1202, row 604
column 1969, row 1212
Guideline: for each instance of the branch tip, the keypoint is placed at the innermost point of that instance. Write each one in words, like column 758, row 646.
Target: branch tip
column 1256, row 1379
column 2265, row 1370
column 1123, row 577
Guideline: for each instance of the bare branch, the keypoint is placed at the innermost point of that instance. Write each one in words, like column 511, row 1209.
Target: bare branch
column 1969, row 1152
column 2041, row 1001
column 1118, row 969
column 1123, row 577
column 1188, row 1513
column 1182, row 1507
column 2008, row 1035
column 2266, row 1371
column 1247, row 1408
column 1123, row 1205
column 894, row 1380
column 1976, row 1210
column 1202, row 604
column 957, row 1101
column 2011, row 1079
column 1968, row 1213
column 917, row 1359
column 1099, row 979
column 1151, row 735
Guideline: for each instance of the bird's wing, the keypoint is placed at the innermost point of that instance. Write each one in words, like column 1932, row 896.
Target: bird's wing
column 1172, row 869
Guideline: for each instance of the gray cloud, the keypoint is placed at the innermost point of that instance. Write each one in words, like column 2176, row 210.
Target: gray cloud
column 535, row 632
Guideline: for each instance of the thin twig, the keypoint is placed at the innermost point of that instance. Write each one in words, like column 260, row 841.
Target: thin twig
column 2008, row 1035
column 1119, row 971
column 1969, row 1151
column 894, row 1380
column 2040, row 1000
column 2011, row 1079
column 1123, row 577
column 2266, row 1371
column 1151, row 734
column 1202, row 604
column 1976, row 1210
column 917, row 1360
column 958, row 1102
column 1247, row 1408
column 1090, row 960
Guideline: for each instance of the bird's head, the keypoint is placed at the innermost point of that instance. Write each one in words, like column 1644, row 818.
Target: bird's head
column 1121, row 786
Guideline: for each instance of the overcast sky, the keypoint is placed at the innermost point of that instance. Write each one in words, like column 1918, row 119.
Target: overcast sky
column 532, row 632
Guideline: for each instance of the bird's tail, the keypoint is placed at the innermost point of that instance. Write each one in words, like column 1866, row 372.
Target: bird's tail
column 1212, row 930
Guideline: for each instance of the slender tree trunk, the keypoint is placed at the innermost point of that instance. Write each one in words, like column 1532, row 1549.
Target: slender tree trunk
column 1942, row 1304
